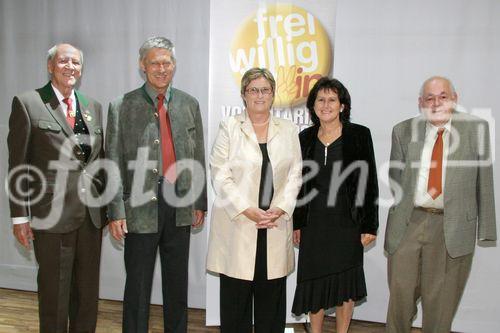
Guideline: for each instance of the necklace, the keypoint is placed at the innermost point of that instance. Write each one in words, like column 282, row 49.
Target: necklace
column 260, row 123
column 333, row 135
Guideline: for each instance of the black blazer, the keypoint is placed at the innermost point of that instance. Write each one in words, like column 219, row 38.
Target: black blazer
column 357, row 146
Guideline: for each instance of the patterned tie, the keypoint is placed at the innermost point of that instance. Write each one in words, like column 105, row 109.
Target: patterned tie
column 434, row 186
column 70, row 114
column 167, row 147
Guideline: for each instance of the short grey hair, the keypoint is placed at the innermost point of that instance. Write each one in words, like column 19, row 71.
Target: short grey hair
column 436, row 77
column 51, row 53
column 156, row 43
column 255, row 73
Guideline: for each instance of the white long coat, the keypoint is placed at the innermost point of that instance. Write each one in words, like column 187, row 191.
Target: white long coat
column 235, row 165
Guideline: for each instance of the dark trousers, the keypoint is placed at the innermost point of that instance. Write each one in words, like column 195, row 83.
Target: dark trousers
column 68, row 279
column 269, row 298
column 140, row 258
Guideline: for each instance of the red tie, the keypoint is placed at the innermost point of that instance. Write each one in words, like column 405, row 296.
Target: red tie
column 167, row 146
column 434, row 186
column 70, row 114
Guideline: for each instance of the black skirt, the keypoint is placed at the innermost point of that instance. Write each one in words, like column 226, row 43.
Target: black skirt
column 329, row 291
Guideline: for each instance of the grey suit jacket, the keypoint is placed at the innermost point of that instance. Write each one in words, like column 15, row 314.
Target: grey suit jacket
column 38, row 135
column 469, row 203
column 133, row 139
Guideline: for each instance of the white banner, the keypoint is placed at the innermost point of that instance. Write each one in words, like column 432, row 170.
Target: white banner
column 294, row 40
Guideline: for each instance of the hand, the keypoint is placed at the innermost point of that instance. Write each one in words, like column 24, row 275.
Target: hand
column 198, row 218
column 296, row 237
column 273, row 214
column 367, row 239
column 262, row 219
column 23, row 234
column 118, row 229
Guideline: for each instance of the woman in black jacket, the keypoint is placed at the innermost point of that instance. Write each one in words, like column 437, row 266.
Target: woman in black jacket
column 337, row 211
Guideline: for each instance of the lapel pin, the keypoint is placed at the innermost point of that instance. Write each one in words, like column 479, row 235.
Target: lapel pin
column 87, row 116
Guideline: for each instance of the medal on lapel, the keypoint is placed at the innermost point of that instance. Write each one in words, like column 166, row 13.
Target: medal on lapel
column 87, row 116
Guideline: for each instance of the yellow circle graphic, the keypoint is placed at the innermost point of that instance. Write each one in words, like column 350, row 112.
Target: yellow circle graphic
column 287, row 40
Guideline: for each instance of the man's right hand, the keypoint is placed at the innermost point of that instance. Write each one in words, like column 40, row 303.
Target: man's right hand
column 118, row 229
column 23, row 234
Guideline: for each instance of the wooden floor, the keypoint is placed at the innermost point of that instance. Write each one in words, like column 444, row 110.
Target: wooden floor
column 19, row 314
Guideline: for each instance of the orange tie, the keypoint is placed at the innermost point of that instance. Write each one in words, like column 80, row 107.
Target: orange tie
column 70, row 114
column 167, row 143
column 434, row 186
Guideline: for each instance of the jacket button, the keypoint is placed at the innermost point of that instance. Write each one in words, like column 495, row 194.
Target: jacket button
column 156, row 142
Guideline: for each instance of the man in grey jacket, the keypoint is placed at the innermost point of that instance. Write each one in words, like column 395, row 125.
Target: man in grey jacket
column 441, row 177
column 155, row 137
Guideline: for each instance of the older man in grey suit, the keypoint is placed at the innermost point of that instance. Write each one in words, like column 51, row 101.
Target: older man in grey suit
column 155, row 136
column 442, row 181
column 55, row 136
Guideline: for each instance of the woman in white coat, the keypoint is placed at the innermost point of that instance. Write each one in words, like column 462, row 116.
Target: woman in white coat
column 256, row 173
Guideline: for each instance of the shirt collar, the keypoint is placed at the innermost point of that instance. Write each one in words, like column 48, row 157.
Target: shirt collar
column 60, row 96
column 431, row 129
column 153, row 94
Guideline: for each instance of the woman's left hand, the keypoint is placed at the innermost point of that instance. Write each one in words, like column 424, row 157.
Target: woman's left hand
column 367, row 239
column 273, row 214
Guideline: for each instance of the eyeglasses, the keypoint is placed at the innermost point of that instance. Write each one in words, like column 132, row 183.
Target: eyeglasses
column 440, row 98
column 254, row 91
